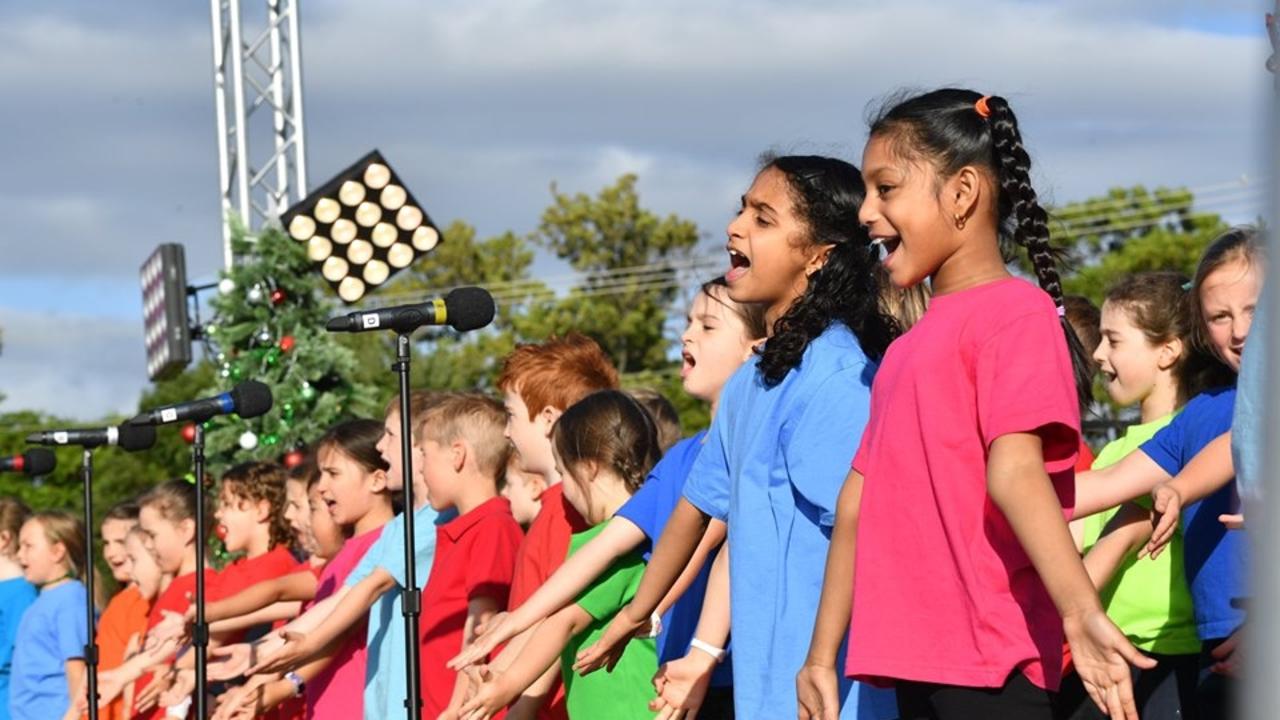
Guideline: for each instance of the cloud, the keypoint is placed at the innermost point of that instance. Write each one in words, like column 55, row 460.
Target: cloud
column 77, row 367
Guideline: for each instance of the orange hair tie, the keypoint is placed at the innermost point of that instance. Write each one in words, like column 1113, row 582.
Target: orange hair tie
column 981, row 107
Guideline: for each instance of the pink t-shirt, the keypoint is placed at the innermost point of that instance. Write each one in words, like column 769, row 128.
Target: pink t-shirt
column 943, row 591
column 337, row 693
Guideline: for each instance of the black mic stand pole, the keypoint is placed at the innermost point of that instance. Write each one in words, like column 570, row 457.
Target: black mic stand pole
column 200, row 633
column 91, row 644
column 411, row 597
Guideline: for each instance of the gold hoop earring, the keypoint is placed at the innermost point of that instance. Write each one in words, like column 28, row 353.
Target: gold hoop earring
column 960, row 221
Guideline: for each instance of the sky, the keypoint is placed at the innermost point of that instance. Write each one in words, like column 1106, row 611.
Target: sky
column 109, row 144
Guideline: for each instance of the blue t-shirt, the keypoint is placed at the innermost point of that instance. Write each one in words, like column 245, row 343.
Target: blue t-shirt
column 772, row 466
column 649, row 510
column 16, row 595
column 385, row 688
column 52, row 631
column 1216, row 558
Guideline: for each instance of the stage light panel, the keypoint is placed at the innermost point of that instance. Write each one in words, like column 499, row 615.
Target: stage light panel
column 361, row 227
column 166, row 328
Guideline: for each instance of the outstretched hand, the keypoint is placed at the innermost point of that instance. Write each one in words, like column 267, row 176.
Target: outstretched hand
column 489, row 635
column 490, row 694
column 1102, row 656
column 1166, row 509
column 681, row 685
column 817, row 693
column 289, row 650
column 607, row 650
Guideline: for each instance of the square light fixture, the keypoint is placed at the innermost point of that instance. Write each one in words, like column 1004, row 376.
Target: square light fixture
column 165, row 323
column 361, row 227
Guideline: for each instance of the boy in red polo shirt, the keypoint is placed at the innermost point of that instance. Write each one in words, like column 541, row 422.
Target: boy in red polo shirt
column 538, row 383
column 464, row 451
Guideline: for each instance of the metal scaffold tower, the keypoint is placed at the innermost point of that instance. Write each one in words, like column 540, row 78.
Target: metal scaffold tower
column 262, row 167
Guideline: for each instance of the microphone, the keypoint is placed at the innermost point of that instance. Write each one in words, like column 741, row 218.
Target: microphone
column 463, row 309
column 248, row 399
column 129, row 437
column 36, row 461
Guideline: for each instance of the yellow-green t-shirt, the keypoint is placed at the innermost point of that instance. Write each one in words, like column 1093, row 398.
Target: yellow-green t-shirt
column 1148, row 599
column 625, row 693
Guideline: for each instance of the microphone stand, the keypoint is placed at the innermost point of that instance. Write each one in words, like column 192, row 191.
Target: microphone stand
column 200, row 633
column 411, row 596
column 91, row 644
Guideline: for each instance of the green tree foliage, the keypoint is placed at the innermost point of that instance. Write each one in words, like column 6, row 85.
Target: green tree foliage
column 269, row 326
column 627, row 312
column 1131, row 230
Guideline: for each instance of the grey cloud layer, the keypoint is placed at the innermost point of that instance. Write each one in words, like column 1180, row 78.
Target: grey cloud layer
column 480, row 105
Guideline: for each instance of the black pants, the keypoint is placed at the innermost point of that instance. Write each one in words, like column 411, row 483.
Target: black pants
column 1018, row 699
column 1166, row 692
column 718, row 704
column 1215, row 694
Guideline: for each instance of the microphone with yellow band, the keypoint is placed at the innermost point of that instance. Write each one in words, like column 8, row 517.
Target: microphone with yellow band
column 463, row 309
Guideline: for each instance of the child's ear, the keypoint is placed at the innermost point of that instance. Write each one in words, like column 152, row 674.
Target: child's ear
column 961, row 194
column 262, row 511
column 187, row 529
column 548, row 417
column 378, row 481
column 1168, row 356
column 458, row 452
column 537, row 485
column 818, row 260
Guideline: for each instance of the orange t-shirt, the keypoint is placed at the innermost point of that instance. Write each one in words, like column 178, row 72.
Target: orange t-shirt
column 124, row 617
column 544, row 549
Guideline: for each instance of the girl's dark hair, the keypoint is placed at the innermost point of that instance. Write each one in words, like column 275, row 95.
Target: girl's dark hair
column 358, row 440
column 828, row 194
column 253, row 481
column 1158, row 304
column 945, row 129
column 751, row 314
column 611, row 429
column 126, row 510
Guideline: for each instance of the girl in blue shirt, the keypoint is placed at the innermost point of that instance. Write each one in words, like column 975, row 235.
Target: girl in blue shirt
column 16, row 594
column 784, row 436
column 48, row 658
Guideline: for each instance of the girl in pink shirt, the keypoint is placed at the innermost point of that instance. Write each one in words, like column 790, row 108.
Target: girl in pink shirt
column 950, row 564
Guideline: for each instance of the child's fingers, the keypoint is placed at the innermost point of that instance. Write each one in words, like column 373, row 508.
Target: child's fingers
column 1233, row 521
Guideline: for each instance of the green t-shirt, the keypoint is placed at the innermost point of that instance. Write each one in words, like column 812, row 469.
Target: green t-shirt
column 627, row 690
column 1148, row 599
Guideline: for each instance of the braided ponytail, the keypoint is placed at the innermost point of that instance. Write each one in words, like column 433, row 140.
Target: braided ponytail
column 952, row 129
column 1019, row 206
column 613, row 430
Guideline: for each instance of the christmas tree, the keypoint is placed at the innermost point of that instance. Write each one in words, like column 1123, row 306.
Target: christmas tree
column 268, row 325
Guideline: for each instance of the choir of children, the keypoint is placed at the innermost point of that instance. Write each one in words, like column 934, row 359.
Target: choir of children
column 874, row 525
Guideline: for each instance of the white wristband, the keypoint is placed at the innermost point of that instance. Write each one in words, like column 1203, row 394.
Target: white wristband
column 706, row 647
column 655, row 625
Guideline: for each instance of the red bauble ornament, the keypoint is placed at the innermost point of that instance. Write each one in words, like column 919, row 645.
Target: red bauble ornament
column 277, row 296
column 293, row 458
column 286, row 343
column 189, row 433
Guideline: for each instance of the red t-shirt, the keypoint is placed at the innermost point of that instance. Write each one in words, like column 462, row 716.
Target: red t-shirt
column 338, row 690
column 244, row 573
column 943, row 590
column 544, row 549
column 125, row 616
column 475, row 557
column 177, row 597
